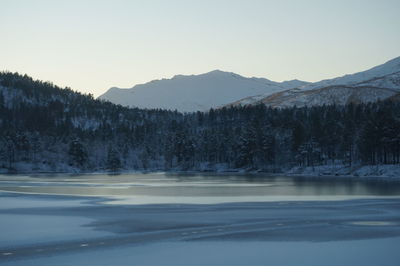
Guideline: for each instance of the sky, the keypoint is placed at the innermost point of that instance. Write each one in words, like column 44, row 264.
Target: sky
column 92, row 45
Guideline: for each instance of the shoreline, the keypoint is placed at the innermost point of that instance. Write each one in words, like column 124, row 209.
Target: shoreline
column 228, row 172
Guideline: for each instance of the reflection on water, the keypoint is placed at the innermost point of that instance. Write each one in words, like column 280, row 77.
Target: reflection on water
column 254, row 187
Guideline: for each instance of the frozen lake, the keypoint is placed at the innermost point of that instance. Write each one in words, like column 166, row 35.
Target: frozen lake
column 198, row 188
column 160, row 219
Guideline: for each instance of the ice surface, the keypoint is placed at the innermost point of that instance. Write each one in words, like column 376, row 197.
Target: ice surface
column 59, row 230
column 140, row 200
column 29, row 229
column 22, row 221
column 162, row 188
column 363, row 253
column 9, row 202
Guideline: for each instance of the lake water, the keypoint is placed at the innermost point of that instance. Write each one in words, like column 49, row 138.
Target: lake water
column 198, row 188
column 315, row 225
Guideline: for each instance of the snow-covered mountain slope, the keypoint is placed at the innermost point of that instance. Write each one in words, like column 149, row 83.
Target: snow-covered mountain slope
column 391, row 81
column 196, row 92
column 385, row 69
column 378, row 83
column 339, row 95
column 368, row 91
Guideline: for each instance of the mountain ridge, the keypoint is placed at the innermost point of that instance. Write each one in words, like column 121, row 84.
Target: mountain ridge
column 217, row 88
column 188, row 93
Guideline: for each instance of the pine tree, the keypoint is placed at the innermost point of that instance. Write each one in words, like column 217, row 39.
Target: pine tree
column 247, row 148
column 77, row 153
column 113, row 160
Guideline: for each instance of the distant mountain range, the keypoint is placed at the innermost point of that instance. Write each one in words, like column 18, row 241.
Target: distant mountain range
column 217, row 89
column 195, row 92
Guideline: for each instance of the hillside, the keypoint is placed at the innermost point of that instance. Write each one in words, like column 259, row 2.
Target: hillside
column 338, row 95
column 388, row 68
column 350, row 90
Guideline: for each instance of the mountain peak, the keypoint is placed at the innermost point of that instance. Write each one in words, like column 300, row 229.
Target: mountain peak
column 216, row 71
column 188, row 93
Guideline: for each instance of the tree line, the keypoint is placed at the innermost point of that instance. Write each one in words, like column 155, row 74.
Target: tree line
column 47, row 127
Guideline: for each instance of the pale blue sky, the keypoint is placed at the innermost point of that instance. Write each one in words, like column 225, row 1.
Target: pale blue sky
column 93, row 45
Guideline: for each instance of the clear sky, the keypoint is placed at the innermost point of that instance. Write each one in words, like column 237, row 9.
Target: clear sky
column 91, row 46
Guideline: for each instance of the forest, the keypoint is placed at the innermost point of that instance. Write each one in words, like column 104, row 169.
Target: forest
column 45, row 127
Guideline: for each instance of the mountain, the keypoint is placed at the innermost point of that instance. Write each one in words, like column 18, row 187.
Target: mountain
column 218, row 88
column 378, row 83
column 195, row 92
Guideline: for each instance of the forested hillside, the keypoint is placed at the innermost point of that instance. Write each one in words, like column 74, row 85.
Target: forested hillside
column 46, row 128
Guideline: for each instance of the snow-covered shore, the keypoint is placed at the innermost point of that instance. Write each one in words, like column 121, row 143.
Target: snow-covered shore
column 389, row 172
